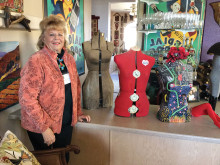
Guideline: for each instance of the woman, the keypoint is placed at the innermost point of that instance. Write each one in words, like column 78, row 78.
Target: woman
column 49, row 92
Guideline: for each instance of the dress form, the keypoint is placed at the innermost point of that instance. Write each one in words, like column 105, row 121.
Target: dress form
column 127, row 63
column 98, row 87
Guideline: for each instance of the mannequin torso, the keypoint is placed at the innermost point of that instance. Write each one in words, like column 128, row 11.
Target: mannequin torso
column 127, row 65
column 98, row 65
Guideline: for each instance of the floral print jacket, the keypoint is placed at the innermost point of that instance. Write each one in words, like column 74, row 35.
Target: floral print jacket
column 42, row 92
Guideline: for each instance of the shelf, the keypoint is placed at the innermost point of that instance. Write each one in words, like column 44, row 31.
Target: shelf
column 34, row 24
column 149, row 2
column 155, row 30
column 147, row 31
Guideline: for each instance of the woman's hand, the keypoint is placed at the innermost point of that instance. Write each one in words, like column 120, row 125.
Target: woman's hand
column 49, row 137
column 84, row 118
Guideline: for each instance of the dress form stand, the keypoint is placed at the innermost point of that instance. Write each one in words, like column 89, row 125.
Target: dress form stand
column 134, row 71
column 98, row 87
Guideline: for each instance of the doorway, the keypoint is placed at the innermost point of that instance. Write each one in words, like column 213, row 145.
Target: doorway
column 130, row 34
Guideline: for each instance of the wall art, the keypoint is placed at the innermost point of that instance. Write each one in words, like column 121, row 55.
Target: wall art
column 9, row 73
column 72, row 12
column 194, row 94
column 116, row 34
column 14, row 5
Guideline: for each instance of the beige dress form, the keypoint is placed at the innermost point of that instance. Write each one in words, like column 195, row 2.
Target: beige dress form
column 91, row 86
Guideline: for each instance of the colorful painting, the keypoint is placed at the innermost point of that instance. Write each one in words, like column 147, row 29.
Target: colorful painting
column 14, row 5
column 13, row 151
column 9, row 73
column 167, row 38
column 72, row 12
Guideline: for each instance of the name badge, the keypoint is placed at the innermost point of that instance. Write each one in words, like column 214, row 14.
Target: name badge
column 66, row 78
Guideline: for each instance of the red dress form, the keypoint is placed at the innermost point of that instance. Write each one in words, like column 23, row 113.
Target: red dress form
column 127, row 65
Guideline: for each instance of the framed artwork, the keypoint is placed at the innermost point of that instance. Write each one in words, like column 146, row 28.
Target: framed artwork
column 122, row 21
column 14, row 5
column 193, row 95
column 117, row 18
column 122, row 30
column 116, row 34
column 72, row 12
column 9, row 73
column 116, row 43
column 122, row 36
column 116, row 25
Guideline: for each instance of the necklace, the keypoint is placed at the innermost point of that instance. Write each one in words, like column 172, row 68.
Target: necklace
column 60, row 63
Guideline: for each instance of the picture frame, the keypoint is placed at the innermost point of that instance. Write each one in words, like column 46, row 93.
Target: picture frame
column 122, row 36
column 9, row 73
column 122, row 21
column 116, row 43
column 74, row 19
column 117, row 18
column 121, row 30
column 116, row 34
column 17, row 6
column 193, row 95
column 116, row 25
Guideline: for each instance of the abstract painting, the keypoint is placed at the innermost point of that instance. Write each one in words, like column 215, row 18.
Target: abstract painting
column 9, row 73
column 72, row 12
column 14, row 5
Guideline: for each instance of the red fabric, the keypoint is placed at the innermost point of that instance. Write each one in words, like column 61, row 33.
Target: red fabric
column 206, row 109
column 126, row 65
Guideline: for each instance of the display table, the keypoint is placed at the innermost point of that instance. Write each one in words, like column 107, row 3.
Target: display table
column 115, row 140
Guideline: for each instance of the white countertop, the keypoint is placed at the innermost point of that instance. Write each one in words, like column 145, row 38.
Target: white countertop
column 199, row 128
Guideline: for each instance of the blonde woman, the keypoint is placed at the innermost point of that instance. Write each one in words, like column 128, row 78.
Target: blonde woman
column 49, row 92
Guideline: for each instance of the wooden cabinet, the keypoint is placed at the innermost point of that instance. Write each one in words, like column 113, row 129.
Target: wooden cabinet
column 114, row 140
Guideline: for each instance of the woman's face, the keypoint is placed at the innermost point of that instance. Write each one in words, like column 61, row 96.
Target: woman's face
column 54, row 40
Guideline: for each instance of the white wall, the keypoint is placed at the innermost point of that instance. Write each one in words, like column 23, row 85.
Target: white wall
column 87, row 19
column 102, row 8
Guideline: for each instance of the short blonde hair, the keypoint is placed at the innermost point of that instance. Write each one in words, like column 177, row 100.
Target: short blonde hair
column 52, row 22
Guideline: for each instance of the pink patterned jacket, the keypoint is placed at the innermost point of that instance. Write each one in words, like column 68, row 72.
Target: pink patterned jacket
column 42, row 92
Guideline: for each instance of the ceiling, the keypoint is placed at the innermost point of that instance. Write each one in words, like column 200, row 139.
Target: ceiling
column 121, row 6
